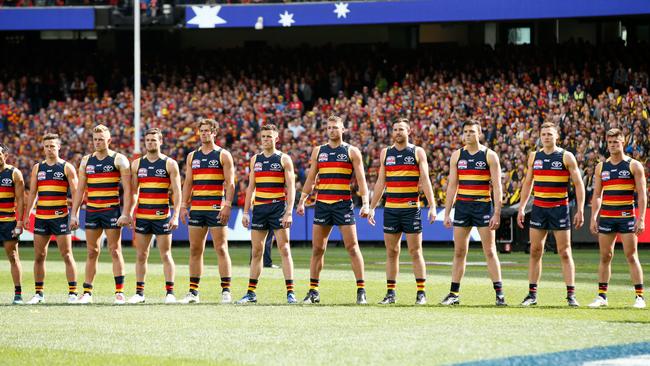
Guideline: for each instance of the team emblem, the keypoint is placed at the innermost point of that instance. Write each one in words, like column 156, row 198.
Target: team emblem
column 257, row 167
column 462, row 164
column 142, row 172
column 322, row 157
column 41, row 176
column 196, row 163
column 604, row 176
column 538, row 164
column 90, row 169
column 390, row 160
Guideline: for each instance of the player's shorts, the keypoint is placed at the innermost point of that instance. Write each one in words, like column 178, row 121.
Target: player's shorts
column 268, row 216
column 614, row 225
column 156, row 227
column 329, row 214
column 402, row 220
column 472, row 213
column 204, row 219
column 550, row 218
column 103, row 219
column 7, row 231
column 58, row 226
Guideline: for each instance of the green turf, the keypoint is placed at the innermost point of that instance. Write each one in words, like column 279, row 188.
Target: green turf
column 335, row 332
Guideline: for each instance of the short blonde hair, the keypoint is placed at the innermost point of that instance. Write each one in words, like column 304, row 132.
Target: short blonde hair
column 214, row 126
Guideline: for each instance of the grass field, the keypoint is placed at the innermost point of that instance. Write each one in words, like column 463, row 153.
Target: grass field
column 334, row 332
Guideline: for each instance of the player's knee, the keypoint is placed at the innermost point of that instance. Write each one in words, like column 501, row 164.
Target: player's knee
column 67, row 257
column 460, row 253
column 221, row 250
column 415, row 252
column 167, row 257
column 257, row 253
column 116, row 252
column 141, row 257
column 353, row 250
column 13, row 257
column 631, row 257
column 393, row 252
column 93, row 253
column 490, row 254
column 39, row 257
column 536, row 252
column 606, row 258
column 565, row 254
column 285, row 250
column 196, row 252
column 318, row 251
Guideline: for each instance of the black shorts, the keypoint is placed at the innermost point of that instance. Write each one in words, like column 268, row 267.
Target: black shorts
column 103, row 219
column 613, row 225
column 402, row 220
column 7, row 231
column 550, row 218
column 268, row 216
column 204, row 219
column 339, row 213
column 156, row 227
column 60, row 226
column 469, row 214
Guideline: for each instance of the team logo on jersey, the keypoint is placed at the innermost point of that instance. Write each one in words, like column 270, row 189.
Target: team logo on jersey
column 107, row 168
column 41, row 176
column 196, row 163
column 480, row 164
column 604, row 176
column 276, row 167
column 556, row 164
column 624, row 174
column 538, row 164
column 409, row 160
column 58, row 175
column 161, row 172
column 390, row 160
column 142, row 172
column 257, row 167
column 322, row 157
column 213, row 162
column 342, row 157
column 7, row 182
column 462, row 164
column 90, row 169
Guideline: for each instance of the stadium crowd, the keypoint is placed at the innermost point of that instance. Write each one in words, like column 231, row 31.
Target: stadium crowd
column 510, row 90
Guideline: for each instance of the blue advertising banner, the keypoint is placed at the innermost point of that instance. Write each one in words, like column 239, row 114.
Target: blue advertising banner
column 52, row 18
column 406, row 11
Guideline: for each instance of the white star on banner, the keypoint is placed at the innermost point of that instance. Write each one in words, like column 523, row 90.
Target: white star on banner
column 286, row 19
column 206, row 16
column 341, row 10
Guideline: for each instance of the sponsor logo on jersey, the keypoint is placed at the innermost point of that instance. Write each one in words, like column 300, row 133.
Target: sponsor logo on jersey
column 90, row 169
column 624, row 173
column 7, row 182
column 161, row 172
column 390, row 160
column 142, row 172
column 257, row 167
column 538, row 164
column 409, row 160
column 480, row 164
column 41, row 176
column 58, row 175
column 462, row 164
column 556, row 165
column 196, row 163
column 213, row 162
column 604, row 175
column 276, row 167
column 108, row 168
column 322, row 157
column 342, row 157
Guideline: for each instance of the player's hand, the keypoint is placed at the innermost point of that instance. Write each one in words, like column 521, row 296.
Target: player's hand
column 74, row 222
column 185, row 215
column 224, row 215
column 520, row 218
column 578, row 219
column 18, row 230
column 300, row 210
column 432, row 215
column 371, row 217
column 364, row 211
column 173, row 223
column 495, row 222
column 246, row 219
column 123, row 221
column 593, row 227
column 639, row 227
column 286, row 221
column 447, row 222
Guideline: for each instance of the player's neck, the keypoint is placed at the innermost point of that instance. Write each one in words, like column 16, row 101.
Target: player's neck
column 401, row 146
column 206, row 148
column 153, row 156
column 335, row 143
column 616, row 158
column 102, row 154
column 51, row 161
column 549, row 149
column 472, row 148
column 269, row 152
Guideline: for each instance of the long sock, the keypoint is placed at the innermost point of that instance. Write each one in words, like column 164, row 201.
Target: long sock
column 139, row 288
column 225, row 284
column 498, row 288
column 570, row 291
column 361, row 284
column 313, row 284
column 38, row 287
column 169, row 287
column 72, row 288
column 194, row 285
column 252, row 285
column 391, row 285
column 602, row 290
column 420, row 283
column 119, row 284
column 289, row 285
column 638, row 289
column 454, row 289
column 532, row 289
column 88, row 288
column 18, row 290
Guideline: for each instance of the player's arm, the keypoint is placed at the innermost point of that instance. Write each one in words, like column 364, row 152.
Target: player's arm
column 526, row 188
column 19, row 192
column 175, row 177
column 452, row 186
column 596, row 199
column 308, row 187
column 357, row 165
column 641, row 193
column 576, row 178
column 497, row 190
column 186, row 195
column 380, row 185
column 123, row 165
column 33, row 190
column 425, row 182
column 78, row 194
column 290, row 182
column 250, row 190
column 135, row 165
column 228, row 186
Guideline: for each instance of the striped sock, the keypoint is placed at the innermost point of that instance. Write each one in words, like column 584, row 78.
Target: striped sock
column 139, row 288
column 289, row 285
column 169, row 287
column 639, row 289
column 420, row 283
column 570, row 290
column 88, row 288
column 602, row 290
column 361, row 284
column 454, row 289
column 225, row 284
column 18, row 290
column 194, row 285
column 313, row 284
column 72, row 288
column 532, row 289
column 252, row 285
column 498, row 288
column 119, row 284
column 38, row 287
column 391, row 285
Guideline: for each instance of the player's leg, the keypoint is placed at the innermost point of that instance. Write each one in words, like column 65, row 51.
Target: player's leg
column 636, row 272
column 319, row 240
column 258, row 241
column 414, row 242
column 164, row 242
column 284, row 246
column 488, row 242
column 197, row 237
column 349, row 234
column 220, row 242
column 93, row 249
column 114, row 239
column 563, row 240
column 537, row 242
column 11, row 250
column 606, row 243
column 142, row 242
column 64, row 243
column 41, row 243
column 392, row 242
